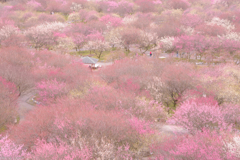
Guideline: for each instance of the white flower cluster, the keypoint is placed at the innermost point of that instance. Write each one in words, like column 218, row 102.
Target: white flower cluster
column 104, row 149
column 7, row 31
column 167, row 43
column 148, row 37
column 114, row 37
column 234, row 146
column 42, row 35
column 74, row 17
column 76, row 7
column 188, row 30
column 46, row 28
column 232, row 36
column 228, row 25
column 129, row 19
column 155, row 87
column 222, row 22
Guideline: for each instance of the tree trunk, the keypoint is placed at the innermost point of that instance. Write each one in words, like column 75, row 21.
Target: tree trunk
column 19, row 90
column 100, row 54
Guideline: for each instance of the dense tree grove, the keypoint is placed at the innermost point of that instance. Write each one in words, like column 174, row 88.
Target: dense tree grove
column 166, row 84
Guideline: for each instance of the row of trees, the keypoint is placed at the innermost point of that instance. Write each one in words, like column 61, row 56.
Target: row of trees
column 175, row 29
column 52, row 36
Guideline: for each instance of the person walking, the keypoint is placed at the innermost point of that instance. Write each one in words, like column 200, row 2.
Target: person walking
column 150, row 54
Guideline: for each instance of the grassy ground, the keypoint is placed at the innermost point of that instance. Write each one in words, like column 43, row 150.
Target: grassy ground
column 2, row 129
column 103, row 57
column 108, row 55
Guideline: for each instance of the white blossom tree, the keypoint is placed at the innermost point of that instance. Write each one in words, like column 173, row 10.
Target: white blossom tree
column 222, row 22
column 74, row 17
column 231, row 36
column 234, row 146
column 148, row 41
column 64, row 45
column 97, row 46
column 7, row 31
column 114, row 37
column 42, row 35
column 167, row 43
column 76, row 7
column 129, row 19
